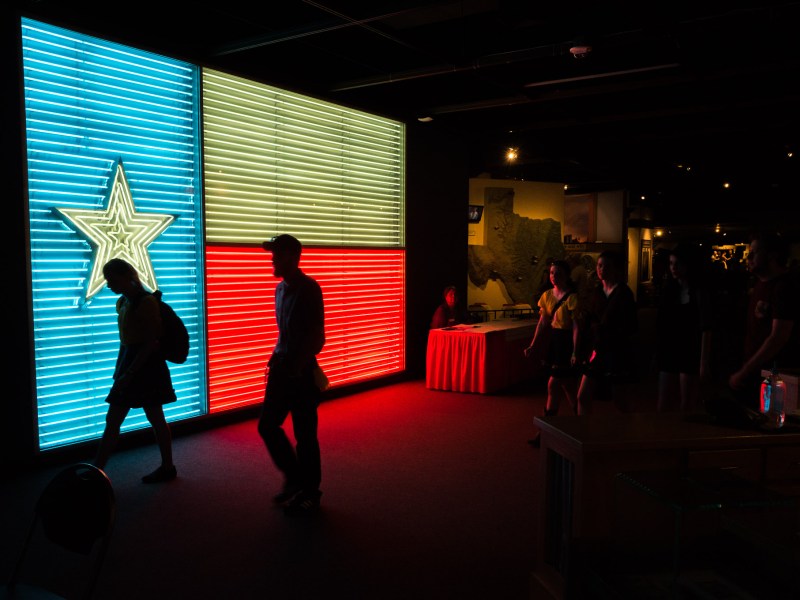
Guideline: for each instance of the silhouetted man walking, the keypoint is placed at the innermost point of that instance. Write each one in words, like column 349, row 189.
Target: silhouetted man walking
column 291, row 387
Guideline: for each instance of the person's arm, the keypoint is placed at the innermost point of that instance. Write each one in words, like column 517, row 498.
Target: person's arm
column 439, row 318
column 148, row 316
column 591, row 324
column 575, row 335
column 778, row 337
column 142, row 356
column 571, row 304
column 544, row 319
column 539, row 326
column 307, row 329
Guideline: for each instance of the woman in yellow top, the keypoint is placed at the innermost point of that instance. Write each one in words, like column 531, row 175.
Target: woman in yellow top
column 558, row 310
column 141, row 376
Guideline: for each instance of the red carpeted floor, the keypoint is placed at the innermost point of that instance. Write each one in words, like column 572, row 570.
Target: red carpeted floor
column 426, row 495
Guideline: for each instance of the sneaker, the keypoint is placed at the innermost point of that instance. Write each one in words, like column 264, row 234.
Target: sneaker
column 288, row 492
column 303, row 504
column 161, row 474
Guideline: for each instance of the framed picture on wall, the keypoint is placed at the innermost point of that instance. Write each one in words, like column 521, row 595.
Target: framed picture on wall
column 580, row 218
column 475, row 213
column 646, row 261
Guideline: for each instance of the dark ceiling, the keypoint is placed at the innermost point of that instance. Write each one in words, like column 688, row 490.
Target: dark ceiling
column 712, row 86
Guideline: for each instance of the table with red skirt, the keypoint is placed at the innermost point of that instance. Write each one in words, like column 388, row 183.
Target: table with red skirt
column 482, row 358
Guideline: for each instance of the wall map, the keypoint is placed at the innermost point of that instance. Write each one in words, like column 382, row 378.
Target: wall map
column 516, row 249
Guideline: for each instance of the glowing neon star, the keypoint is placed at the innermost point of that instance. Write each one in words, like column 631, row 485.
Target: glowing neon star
column 118, row 232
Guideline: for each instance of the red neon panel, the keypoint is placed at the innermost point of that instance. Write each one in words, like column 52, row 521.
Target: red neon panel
column 364, row 298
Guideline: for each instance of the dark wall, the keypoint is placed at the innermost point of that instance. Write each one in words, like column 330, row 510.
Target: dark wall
column 437, row 195
column 16, row 416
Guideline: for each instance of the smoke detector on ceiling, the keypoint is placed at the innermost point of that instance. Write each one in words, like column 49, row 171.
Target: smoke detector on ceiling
column 580, row 50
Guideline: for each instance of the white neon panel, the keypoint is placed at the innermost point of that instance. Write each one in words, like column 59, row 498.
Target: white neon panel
column 277, row 161
column 90, row 104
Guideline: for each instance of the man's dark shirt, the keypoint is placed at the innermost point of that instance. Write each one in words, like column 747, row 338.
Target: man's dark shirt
column 776, row 298
column 301, row 322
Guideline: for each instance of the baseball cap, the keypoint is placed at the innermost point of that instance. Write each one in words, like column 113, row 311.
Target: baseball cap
column 283, row 243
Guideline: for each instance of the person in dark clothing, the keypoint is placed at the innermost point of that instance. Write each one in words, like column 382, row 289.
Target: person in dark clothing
column 611, row 322
column 683, row 325
column 291, row 386
column 772, row 336
column 141, row 375
column 449, row 312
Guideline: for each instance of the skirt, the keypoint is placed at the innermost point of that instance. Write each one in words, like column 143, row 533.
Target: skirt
column 559, row 353
column 151, row 385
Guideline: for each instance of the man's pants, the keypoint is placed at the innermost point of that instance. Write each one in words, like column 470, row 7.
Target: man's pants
column 300, row 397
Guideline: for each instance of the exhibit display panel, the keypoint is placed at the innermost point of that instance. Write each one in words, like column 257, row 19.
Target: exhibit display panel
column 280, row 162
column 113, row 165
column 363, row 294
column 116, row 168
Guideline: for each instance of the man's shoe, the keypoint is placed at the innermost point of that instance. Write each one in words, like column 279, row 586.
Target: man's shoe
column 161, row 474
column 303, row 504
column 288, row 492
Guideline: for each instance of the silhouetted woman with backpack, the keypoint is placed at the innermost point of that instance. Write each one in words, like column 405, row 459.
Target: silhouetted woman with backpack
column 141, row 376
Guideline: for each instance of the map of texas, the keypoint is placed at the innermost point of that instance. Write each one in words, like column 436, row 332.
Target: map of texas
column 516, row 249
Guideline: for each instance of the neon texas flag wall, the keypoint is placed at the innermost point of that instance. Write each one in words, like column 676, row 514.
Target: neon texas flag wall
column 116, row 168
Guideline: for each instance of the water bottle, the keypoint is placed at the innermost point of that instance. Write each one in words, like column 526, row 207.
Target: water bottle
column 766, row 394
column 777, row 411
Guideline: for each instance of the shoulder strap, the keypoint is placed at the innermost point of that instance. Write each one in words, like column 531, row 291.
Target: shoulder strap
column 564, row 298
column 558, row 305
column 135, row 301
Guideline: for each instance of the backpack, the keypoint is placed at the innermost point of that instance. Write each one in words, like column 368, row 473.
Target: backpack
column 174, row 340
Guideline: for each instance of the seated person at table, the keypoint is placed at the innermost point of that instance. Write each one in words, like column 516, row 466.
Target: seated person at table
column 449, row 311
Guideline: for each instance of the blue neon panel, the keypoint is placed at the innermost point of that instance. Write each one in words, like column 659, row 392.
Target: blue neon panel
column 90, row 103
